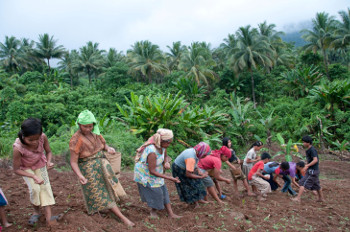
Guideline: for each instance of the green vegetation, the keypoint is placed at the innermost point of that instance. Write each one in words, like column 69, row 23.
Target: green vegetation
column 253, row 86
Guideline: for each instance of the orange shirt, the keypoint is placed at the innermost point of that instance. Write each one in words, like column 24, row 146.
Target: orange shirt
column 258, row 166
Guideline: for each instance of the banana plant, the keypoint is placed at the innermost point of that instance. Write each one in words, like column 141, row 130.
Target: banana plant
column 288, row 149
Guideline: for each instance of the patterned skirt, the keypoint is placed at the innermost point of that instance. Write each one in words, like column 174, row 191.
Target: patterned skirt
column 189, row 190
column 102, row 189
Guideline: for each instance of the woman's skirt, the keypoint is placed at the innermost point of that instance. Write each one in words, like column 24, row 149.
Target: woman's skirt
column 189, row 190
column 3, row 200
column 155, row 197
column 102, row 189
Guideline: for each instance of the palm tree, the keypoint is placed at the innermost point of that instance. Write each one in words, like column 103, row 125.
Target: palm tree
column 11, row 53
column 343, row 31
column 321, row 36
column 46, row 49
column 112, row 57
column 251, row 52
column 175, row 54
column 197, row 62
column 90, row 60
column 146, row 58
column 67, row 64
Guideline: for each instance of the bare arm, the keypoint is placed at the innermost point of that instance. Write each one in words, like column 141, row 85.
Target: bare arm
column 152, row 164
column 314, row 161
column 295, row 183
column 19, row 171
column 194, row 176
column 217, row 176
column 230, row 165
column 74, row 164
column 275, row 179
column 48, row 152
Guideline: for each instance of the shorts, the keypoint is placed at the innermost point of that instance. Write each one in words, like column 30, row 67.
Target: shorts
column 40, row 194
column 311, row 180
column 207, row 181
column 238, row 173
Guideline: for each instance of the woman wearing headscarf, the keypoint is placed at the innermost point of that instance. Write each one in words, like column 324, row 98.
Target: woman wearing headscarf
column 99, row 184
column 212, row 164
column 149, row 172
column 191, row 189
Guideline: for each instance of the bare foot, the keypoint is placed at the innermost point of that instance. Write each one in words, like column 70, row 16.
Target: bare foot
column 153, row 214
column 320, row 200
column 175, row 216
column 295, row 199
column 6, row 224
column 260, row 198
column 251, row 194
column 128, row 223
column 203, row 202
column 52, row 223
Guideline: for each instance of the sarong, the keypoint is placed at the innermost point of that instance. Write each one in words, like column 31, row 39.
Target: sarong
column 102, row 189
column 189, row 190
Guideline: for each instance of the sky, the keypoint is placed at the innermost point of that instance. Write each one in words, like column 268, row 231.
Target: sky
column 119, row 24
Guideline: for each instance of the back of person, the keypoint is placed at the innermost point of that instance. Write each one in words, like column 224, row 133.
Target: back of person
column 270, row 167
column 310, row 153
column 185, row 157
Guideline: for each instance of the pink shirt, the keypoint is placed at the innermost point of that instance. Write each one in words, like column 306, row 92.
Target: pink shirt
column 210, row 162
column 258, row 166
column 31, row 159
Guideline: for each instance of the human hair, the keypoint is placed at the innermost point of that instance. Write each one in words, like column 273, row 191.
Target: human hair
column 273, row 164
column 285, row 165
column 30, row 126
column 307, row 139
column 257, row 143
column 225, row 141
column 301, row 164
column 265, row 155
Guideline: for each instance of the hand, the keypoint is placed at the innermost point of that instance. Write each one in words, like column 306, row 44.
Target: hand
column 49, row 165
column 204, row 175
column 38, row 180
column 83, row 180
column 267, row 178
column 166, row 165
column 176, row 180
column 220, row 171
column 111, row 150
column 228, row 181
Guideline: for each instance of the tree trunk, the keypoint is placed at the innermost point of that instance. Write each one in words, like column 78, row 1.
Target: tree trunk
column 253, row 92
column 48, row 65
column 325, row 61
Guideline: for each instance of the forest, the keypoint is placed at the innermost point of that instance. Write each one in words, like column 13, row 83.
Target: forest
column 254, row 86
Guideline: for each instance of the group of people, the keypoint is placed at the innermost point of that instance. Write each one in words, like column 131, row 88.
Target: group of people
column 196, row 171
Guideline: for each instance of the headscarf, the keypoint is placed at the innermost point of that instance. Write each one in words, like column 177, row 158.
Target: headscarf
column 202, row 148
column 156, row 139
column 223, row 151
column 86, row 117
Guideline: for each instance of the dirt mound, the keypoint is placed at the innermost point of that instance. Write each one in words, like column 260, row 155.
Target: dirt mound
column 245, row 213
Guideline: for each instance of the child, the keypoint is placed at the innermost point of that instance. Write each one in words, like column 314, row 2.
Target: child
column 251, row 158
column 212, row 164
column 270, row 168
column 235, row 168
column 257, row 178
column 30, row 161
column 311, row 179
column 3, row 202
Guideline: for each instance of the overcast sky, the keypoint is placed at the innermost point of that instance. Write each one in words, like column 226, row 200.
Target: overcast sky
column 118, row 24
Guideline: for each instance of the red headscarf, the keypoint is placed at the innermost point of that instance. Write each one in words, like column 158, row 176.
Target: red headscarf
column 223, row 151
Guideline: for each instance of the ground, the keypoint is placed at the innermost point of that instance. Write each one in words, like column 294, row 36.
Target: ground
column 245, row 213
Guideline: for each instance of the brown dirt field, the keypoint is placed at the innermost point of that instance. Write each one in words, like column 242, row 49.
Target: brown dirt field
column 278, row 213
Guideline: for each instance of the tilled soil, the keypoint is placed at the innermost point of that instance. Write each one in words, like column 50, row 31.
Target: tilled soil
column 241, row 213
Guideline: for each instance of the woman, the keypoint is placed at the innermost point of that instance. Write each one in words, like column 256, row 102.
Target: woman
column 148, row 172
column 212, row 164
column 99, row 183
column 235, row 168
column 191, row 189
column 250, row 159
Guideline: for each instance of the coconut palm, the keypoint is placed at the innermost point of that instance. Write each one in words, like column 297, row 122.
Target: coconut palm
column 146, row 58
column 251, row 52
column 176, row 50
column 11, row 53
column 321, row 36
column 343, row 31
column 112, row 57
column 67, row 64
column 90, row 60
column 197, row 63
column 46, row 49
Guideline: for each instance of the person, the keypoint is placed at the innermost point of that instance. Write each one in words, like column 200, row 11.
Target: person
column 31, row 159
column 235, row 168
column 251, row 158
column 212, row 164
column 3, row 203
column 287, row 171
column 149, row 176
column 98, row 181
column 191, row 188
column 311, row 179
column 257, row 178
column 270, row 168
column 300, row 172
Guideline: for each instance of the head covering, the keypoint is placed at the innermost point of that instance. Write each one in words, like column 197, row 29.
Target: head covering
column 156, row 139
column 202, row 148
column 222, row 151
column 86, row 117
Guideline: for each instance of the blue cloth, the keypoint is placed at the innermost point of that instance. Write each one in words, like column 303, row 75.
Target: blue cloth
column 186, row 154
column 288, row 185
column 270, row 167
